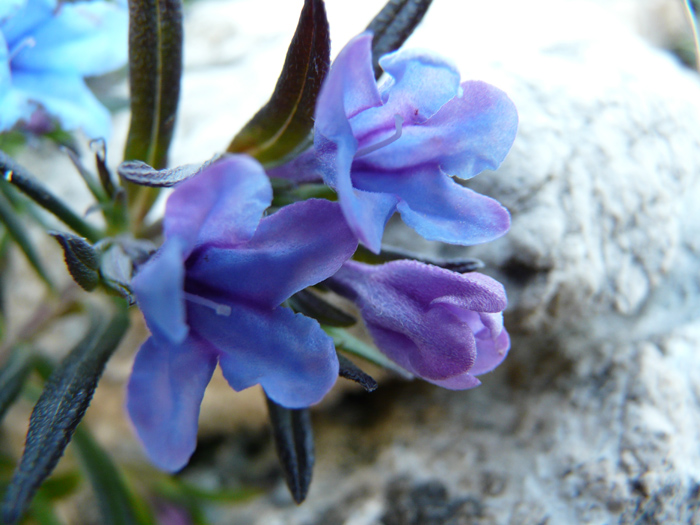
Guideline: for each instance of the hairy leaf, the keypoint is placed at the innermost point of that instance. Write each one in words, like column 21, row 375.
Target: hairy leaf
column 19, row 177
column 155, row 68
column 18, row 231
column 294, row 442
column 284, row 124
column 393, row 25
column 81, row 259
column 144, row 175
column 12, row 377
column 58, row 411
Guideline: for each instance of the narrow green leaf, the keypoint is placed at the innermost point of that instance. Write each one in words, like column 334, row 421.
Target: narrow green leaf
column 155, row 68
column 116, row 501
column 13, row 376
column 81, row 259
column 311, row 305
column 351, row 344
column 17, row 230
column 294, row 442
column 19, row 177
column 393, row 25
column 58, row 411
column 283, row 125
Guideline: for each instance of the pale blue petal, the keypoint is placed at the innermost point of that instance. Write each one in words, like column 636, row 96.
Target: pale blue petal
column 164, row 395
column 348, row 89
column 420, row 84
column 437, row 207
column 222, row 205
column 286, row 353
column 67, row 98
column 297, row 246
column 8, row 8
column 159, row 289
column 21, row 22
column 469, row 134
column 83, row 38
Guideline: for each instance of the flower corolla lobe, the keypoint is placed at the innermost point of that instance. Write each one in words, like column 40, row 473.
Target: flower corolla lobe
column 213, row 294
column 447, row 130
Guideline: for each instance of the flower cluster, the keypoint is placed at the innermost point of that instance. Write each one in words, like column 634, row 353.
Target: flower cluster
column 215, row 291
column 45, row 51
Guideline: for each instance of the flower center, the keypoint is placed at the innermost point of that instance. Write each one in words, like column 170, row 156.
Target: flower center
column 398, row 122
column 220, row 309
column 23, row 44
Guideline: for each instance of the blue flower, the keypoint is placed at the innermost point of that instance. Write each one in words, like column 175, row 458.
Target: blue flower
column 439, row 325
column 45, row 51
column 213, row 293
column 395, row 147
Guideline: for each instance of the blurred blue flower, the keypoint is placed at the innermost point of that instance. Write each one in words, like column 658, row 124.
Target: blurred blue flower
column 395, row 147
column 439, row 325
column 45, row 51
column 212, row 293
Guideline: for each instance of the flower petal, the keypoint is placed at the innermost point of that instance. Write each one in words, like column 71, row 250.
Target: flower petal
column 23, row 17
column 8, row 8
column 297, row 246
column 221, row 205
column 159, row 289
column 420, row 84
column 463, row 381
column 83, row 38
column 348, row 89
column 287, row 353
column 65, row 97
column 164, row 394
column 437, row 207
column 469, row 134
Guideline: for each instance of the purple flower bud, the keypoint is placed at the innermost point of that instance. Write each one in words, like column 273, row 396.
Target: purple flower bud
column 442, row 326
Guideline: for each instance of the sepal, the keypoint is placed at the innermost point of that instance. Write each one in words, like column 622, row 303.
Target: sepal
column 81, row 259
column 294, row 442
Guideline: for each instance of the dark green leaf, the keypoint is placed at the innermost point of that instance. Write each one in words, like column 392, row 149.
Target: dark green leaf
column 18, row 231
column 117, row 503
column 351, row 371
column 35, row 190
column 60, row 486
column 311, row 305
column 393, row 25
column 142, row 174
column 284, row 124
column 58, row 411
column 294, row 442
column 389, row 253
column 99, row 147
column 81, row 259
column 155, row 67
column 13, row 376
